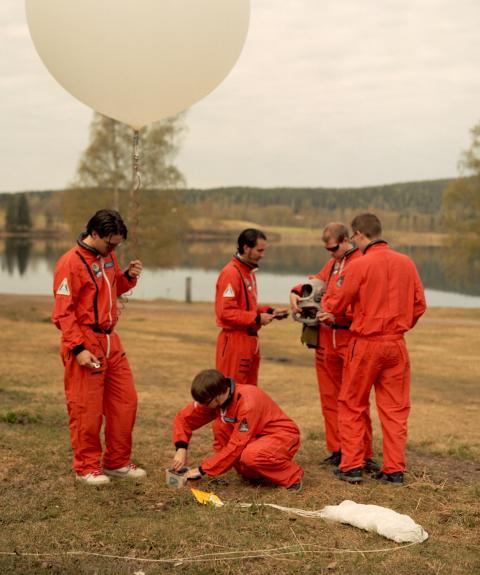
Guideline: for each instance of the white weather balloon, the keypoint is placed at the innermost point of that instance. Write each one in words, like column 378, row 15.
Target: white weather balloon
column 138, row 61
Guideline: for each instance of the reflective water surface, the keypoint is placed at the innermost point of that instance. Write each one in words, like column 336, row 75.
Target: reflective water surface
column 26, row 268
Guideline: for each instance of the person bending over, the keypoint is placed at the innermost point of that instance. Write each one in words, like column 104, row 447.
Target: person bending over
column 251, row 432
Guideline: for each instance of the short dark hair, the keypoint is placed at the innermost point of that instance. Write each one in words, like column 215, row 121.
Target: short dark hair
column 207, row 384
column 107, row 223
column 249, row 238
column 368, row 225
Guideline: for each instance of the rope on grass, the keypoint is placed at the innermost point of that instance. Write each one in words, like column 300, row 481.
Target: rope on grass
column 276, row 552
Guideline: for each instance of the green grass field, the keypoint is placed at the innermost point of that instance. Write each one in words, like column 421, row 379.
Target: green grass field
column 52, row 524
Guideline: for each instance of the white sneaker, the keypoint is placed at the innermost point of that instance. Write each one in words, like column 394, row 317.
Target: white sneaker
column 94, row 478
column 131, row 471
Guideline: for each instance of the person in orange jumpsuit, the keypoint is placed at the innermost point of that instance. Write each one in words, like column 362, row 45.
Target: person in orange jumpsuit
column 237, row 311
column 251, row 432
column 98, row 380
column 332, row 343
column 387, row 299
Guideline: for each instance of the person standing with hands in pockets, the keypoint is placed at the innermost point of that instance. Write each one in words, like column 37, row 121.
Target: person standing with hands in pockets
column 98, row 381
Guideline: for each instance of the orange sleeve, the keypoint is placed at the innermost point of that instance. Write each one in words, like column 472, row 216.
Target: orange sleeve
column 323, row 275
column 188, row 419
column 124, row 283
column 419, row 302
column 67, row 283
column 230, row 299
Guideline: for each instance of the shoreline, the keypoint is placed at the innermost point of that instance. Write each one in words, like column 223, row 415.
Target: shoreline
column 276, row 234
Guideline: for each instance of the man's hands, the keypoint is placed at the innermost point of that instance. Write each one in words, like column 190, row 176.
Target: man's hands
column 322, row 316
column 294, row 297
column 87, row 359
column 266, row 318
column 280, row 313
column 134, row 268
column 179, row 459
column 325, row 317
column 193, row 473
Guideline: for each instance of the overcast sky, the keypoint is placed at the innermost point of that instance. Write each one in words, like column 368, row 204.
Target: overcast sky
column 325, row 93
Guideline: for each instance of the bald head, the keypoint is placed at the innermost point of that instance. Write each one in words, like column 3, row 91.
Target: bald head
column 336, row 231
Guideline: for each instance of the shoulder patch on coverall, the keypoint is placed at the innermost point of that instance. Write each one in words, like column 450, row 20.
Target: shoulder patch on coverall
column 229, row 291
column 63, row 288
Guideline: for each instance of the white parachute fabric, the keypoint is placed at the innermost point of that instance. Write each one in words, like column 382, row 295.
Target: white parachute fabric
column 386, row 522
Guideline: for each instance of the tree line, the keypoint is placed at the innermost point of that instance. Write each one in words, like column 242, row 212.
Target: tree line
column 165, row 205
column 407, row 206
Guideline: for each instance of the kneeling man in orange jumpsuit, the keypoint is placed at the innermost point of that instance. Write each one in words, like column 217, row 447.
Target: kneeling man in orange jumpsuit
column 251, row 432
column 98, row 380
column 386, row 296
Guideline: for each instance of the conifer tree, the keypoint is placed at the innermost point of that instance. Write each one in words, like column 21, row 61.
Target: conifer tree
column 24, row 220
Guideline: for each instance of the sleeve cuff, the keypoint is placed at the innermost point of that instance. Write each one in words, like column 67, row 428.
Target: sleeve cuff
column 181, row 445
column 200, row 468
column 257, row 319
column 78, row 349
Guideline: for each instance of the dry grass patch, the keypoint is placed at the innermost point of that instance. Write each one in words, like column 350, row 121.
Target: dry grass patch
column 43, row 510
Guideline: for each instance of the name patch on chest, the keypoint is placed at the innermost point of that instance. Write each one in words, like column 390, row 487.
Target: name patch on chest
column 227, row 419
column 243, row 425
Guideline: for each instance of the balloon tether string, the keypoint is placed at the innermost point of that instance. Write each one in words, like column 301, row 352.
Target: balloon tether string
column 134, row 211
column 134, row 201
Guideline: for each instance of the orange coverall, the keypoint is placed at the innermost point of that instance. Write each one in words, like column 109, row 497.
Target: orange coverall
column 386, row 295
column 251, row 434
column 330, row 356
column 237, row 312
column 86, row 287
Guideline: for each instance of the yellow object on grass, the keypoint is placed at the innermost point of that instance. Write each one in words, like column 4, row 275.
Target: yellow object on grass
column 204, row 497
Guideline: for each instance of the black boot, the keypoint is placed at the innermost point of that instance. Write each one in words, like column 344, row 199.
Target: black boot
column 371, row 466
column 352, row 475
column 396, row 477
column 333, row 459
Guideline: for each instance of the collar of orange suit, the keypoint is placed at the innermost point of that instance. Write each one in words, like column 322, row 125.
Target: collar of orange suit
column 239, row 258
column 375, row 243
column 349, row 252
column 85, row 246
column 231, row 392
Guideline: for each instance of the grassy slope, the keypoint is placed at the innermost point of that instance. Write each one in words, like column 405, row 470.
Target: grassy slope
column 309, row 236
column 42, row 509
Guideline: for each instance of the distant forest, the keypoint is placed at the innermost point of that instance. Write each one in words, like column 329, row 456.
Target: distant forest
column 405, row 206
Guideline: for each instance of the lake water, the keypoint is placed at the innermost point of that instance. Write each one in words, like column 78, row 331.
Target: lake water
column 26, row 268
